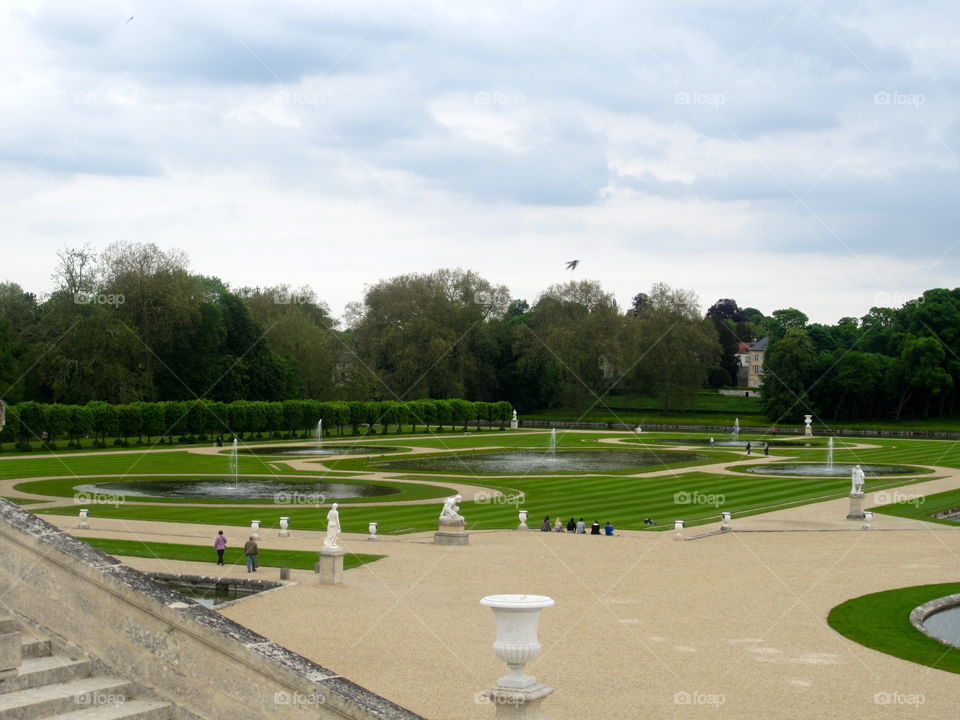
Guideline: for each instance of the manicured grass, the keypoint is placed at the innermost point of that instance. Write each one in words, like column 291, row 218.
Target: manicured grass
column 21, row 501
column 921, row 508
column 622, row 499
column 294, row 559
column 881, row 621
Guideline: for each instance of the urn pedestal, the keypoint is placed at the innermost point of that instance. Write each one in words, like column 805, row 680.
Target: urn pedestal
column 856, row 507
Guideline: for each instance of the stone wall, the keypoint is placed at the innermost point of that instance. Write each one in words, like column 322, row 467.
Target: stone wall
column 208, row 666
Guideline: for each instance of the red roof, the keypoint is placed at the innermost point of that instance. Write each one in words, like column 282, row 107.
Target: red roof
column 743, row 348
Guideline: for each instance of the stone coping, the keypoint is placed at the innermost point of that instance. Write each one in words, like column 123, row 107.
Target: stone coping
column 919, row 615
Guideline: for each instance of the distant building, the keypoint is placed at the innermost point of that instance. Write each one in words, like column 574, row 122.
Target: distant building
column 755, row 355
column 743, row 363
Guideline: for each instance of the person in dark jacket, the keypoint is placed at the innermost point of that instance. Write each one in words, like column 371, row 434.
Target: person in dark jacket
column 572, row 525
column 251, row 550
column 595, row 528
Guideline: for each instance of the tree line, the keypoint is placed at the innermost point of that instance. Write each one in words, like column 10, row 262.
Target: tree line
column 200, row 420
column 133, row 324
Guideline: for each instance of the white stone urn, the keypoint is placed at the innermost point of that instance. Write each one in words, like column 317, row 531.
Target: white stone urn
column 725, row 518
column 84, row 513
column 517, row 618
column 284, row 524
column 678, row 527
column 372, row 529
column 867, row 520
column 523, row 520
column 254, row 525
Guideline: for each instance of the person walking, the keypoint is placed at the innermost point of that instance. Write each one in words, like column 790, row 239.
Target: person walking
column 220, row 544
column 572, row 525
column 581, row 527
column 251, row 550
column 545, row 525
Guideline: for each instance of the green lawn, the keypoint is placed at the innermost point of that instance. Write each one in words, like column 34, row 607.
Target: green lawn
column 881, row 621
column 294, row 559
column 623, row 499
column 922, row 508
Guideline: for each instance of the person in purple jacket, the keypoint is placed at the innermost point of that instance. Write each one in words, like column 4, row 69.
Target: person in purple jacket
column 219, row 544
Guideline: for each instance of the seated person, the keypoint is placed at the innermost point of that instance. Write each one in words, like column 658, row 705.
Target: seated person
column 649, row 521
column 595, row 528
column 608, row 528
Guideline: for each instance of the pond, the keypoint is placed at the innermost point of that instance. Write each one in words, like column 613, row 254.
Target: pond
column 521, row 462
column 247, row 489
column 834, row 470
column 211, row 591
column 945, row 626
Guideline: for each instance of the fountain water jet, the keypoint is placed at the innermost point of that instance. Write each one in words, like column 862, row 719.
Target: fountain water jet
column 320, row 435
column 735, row 433
column 234, row 466
column 553, row 442
column 830, row 454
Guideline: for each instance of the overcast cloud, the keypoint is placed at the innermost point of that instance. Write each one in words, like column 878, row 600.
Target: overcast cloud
column 791, row 154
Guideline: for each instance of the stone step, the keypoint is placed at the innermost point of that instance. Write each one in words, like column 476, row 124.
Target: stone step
column 34, row 647
column 62, row 698
column 36, row 672
column 130, row 710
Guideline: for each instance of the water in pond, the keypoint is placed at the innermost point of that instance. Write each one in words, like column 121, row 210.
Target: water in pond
column 945, row 625
column 320, row 449
column 247, row 489
column 207, row 592
column 833, row 470
column 533, row 461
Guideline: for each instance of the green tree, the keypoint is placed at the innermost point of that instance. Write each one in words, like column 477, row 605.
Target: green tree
column 788, row 373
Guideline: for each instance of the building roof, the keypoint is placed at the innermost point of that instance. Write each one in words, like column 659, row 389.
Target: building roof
column 743, row 348
column 761, row 344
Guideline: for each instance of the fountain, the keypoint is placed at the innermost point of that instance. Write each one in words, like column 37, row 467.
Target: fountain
column 553, row 442
column 320, row 436
column 830, row 455
column 234, row 466
column 735, row 433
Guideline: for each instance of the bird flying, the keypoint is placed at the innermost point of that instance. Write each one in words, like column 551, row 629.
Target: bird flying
column 131, row 18
column 572, row 264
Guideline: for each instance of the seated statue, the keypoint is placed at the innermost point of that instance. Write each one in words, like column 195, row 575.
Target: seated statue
column 451, row 511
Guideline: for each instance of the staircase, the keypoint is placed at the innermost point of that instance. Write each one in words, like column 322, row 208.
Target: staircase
column 45, row 685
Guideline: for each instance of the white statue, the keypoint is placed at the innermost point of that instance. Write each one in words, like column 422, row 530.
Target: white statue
column 333, row 528
column 451, row 511
column 514, row 418
column 857, row 478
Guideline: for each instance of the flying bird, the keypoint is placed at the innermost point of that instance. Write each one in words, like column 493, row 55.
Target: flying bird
column 131, row 18
column 572, row 264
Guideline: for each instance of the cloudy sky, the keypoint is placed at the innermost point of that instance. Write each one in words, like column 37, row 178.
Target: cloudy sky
column 784, row 154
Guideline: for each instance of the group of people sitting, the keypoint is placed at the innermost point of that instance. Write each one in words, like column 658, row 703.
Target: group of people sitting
column 576, row 526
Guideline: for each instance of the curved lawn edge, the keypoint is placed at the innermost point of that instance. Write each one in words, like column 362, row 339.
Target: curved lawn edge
column 881, row 621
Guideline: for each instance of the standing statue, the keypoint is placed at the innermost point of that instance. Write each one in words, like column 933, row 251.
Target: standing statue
column 451, row 511
column 857, row 479
column 333, row 528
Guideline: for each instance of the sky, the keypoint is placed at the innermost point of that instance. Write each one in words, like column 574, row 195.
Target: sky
column 782, row 154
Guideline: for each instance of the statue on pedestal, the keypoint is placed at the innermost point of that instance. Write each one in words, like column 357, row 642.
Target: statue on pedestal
column 856, row 481
column 333, row 528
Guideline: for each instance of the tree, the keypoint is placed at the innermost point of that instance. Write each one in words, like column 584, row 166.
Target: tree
column 788, row 372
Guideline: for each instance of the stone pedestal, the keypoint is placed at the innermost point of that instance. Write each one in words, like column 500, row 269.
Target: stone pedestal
column 513, row 424
column 331, row 565
column 517, row 704
column 9, row 646
column 82, row 522
column 856, row 507
column 451, row 532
